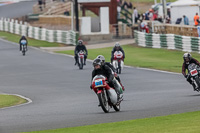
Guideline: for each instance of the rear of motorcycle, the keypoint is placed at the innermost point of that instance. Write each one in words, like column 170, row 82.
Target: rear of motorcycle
column 23, row 50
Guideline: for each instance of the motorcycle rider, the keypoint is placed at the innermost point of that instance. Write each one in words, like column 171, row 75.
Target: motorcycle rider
column 23, row 41
column 99, row 69
column 102, row 58
column 187, row 57
column 78, row 48
column 117, row 47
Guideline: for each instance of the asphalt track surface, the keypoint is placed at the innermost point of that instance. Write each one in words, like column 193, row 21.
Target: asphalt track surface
column 61, row 96
column 17, row 9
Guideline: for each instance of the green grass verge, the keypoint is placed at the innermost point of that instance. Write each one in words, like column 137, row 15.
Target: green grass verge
column 31, row 42
column 161, row 59
column 10, row 100
column 178, row 123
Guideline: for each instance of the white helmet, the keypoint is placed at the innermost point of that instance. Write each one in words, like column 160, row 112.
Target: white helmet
column 117, row 44
column 187, row 55
column 101, row 57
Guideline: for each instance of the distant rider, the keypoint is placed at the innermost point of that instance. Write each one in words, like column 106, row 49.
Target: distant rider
column 99, row 69
column 187, row 57
column 117, row 47
column 78, row 48
column 102, row 58
column 23, row 41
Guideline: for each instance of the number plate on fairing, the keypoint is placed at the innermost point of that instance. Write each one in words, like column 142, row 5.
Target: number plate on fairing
column 194, row 72
column 98, row 83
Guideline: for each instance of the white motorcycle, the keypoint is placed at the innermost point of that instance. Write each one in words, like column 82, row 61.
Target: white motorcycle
column 81, row 56
column 193, row 73
column 118, row 62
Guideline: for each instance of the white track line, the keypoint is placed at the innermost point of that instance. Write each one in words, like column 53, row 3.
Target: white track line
column 28, row 99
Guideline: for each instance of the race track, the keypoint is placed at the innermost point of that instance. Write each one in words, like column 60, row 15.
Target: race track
column 17, row 9
column 62, row 98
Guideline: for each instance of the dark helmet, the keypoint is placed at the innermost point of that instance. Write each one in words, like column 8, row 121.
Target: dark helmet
column 80, row 42
column 187, row 56
column 97, row 61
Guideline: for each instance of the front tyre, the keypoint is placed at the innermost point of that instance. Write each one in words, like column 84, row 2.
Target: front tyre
column 103, row 100
column 81, row 64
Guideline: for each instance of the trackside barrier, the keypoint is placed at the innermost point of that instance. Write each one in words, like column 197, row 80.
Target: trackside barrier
column 168, row 41
column 13, row 26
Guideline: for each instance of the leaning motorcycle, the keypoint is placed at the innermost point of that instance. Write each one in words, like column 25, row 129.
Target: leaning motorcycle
column 81, row 56
column 107, row 96
column 24, row 47
column 193, row 73
column 118, row 62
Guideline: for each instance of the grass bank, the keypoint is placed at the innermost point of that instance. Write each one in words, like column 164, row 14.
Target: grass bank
column 179, row 123
column 10, row 100
column 31, row 42
column 161, row 59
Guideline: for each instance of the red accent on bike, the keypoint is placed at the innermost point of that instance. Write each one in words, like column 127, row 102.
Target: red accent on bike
column 194, row 72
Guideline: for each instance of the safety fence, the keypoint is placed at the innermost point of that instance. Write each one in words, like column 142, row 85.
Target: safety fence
column 20, row 28
column 168, row 41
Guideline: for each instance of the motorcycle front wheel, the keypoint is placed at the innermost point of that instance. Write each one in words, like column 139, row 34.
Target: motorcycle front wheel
column 81, row 64
column 103, row 100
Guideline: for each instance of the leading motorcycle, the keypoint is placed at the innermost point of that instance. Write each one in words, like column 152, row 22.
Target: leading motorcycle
column 193, row 73
column 107, row 96
column 118, row 62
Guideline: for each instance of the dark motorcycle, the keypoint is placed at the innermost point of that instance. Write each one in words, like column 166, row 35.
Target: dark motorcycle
column 24, row 47
column 193, row 73
column 107, row 96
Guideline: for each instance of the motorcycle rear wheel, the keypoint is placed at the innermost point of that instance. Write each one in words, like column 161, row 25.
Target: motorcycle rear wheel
column 103, row 100
column 116, row 107
column 23, row 52
column 197, row 80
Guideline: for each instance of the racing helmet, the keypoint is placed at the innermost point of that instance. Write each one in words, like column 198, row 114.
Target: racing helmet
column 117, row 46
column 96, row 62
column 187, row 56
column 80, row 42
column 101, row 57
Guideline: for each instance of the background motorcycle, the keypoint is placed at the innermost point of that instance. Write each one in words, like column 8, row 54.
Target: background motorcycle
column 81, row 56
column 118, row 62
column 193, row 73
column 24, row 47
column 107, row 96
